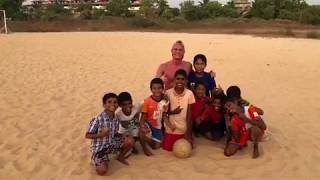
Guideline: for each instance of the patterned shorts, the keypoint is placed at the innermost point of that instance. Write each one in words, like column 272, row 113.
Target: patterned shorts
column 101, row 156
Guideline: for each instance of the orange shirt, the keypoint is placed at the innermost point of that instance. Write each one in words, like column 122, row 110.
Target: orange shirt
column 154, row 111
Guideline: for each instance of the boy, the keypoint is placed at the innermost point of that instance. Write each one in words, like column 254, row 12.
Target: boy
column 235, row 92
column 211, row 123
column 129, row 117
column 153, row 111
column 240, row 132
column 200, row 105
column 179, row 124
column 105, row 139
column 199, row 64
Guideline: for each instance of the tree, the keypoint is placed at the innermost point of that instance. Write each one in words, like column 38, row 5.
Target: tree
column 191, row 12
column 119, row 7
column 13, row 8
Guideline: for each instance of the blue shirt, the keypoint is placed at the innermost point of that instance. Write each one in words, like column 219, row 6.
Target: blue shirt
column 209, row 82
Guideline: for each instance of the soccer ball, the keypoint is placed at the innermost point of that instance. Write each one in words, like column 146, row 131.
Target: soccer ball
column 182, row 148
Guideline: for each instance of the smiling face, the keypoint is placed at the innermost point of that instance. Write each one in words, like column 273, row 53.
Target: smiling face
column 157, row 90
column 200, row 91
column 111, row 104
column 177, row 51
column 180, row 81
column 217, row 105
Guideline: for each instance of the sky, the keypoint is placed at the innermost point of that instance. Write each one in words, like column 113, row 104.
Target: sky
column 175, row 3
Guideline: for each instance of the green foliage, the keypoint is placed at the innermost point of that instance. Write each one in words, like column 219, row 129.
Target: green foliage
column 140, row 21
column 118, row 7
column 311, row 15
column 313, row 35
column 190, row 11
column 13, row 8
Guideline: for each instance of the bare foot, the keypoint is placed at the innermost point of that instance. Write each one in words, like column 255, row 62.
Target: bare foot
column 123, row 160
column 147, row 152
column 256, row 153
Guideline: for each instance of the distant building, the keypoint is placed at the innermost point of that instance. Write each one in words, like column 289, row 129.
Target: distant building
column 243, row 6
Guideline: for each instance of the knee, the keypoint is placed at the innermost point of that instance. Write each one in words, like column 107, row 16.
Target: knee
column 101, row 170
column 129, row 142
column 255, row 131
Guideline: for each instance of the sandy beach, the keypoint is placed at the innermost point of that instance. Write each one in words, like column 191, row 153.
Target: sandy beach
column 51, row 86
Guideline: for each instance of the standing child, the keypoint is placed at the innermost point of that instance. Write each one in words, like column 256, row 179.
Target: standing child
column 179, row 124
column 129, row 117
column 103, row 130
column 199, row 64
column 240, row 130
column 153, row 111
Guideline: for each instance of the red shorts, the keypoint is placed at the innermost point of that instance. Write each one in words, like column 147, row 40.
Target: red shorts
column 169, row 140
column 244, row 137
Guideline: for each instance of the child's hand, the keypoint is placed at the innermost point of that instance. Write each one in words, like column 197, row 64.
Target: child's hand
column 176, row 110
column 104, row 132
column 144, row 129
column 212, row 74
column 172, row 126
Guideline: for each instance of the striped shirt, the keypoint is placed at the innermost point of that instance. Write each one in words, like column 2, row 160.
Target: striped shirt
column 95, row 126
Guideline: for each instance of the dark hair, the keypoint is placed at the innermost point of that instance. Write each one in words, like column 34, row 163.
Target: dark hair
column 181, row 72
column 156, row 81
column 200, row 56
column 108, row 96
column 199, row 83
column 230, row 99
column 124, row 96
column 234, row 92
column 220, row 96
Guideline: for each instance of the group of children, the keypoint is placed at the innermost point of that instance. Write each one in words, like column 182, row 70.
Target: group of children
column 194, row 106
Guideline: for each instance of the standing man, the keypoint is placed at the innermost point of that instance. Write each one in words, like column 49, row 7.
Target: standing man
column 167, row 70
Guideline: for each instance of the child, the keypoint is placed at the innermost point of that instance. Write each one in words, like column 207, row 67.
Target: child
column 153, row 111
column 235, row 92
column 211, row 123
column 129, row 117
column 105, row 139
column 179, row 124
column 200, row 63
column 200, row 105
column 239, row 131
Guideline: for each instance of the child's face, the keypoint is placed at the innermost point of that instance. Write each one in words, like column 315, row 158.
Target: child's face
column 200, row 91
column 157, row 90
column 111, row 104
column 180, row 81
column 230, row 107
column 199, row 65
column 126, row 107
column 217, row 105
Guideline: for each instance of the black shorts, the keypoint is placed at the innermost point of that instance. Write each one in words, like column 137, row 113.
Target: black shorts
column 217, row 130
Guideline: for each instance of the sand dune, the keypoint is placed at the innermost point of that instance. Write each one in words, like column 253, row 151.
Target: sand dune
column 51, row 84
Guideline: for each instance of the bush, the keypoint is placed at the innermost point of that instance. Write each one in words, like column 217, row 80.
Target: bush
column 313, row 35
column 311, row 15
column 179, row 20
column 140, row 21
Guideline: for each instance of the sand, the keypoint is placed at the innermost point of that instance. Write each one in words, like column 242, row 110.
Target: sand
column 51, row 85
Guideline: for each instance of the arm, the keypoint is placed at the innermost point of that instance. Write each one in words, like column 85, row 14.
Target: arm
column 257, row 122
column 159, row 72
column 189, row 124
column 143, row 118
column 259, row 111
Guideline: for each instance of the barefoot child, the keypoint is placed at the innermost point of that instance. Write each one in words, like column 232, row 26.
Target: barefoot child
column 240, row 130
column 179, row 124
column 103, row 130
column 212, row 123
column 153, row 111
column 128, row 114
column 199, row 64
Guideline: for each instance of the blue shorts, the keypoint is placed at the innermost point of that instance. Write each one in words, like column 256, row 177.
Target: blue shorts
column 156, row 134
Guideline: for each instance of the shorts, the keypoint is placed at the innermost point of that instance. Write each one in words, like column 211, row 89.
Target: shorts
column 101, row 156
column 169, row 140
column 244, row 137
column 156, row 134
column 216, row 130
